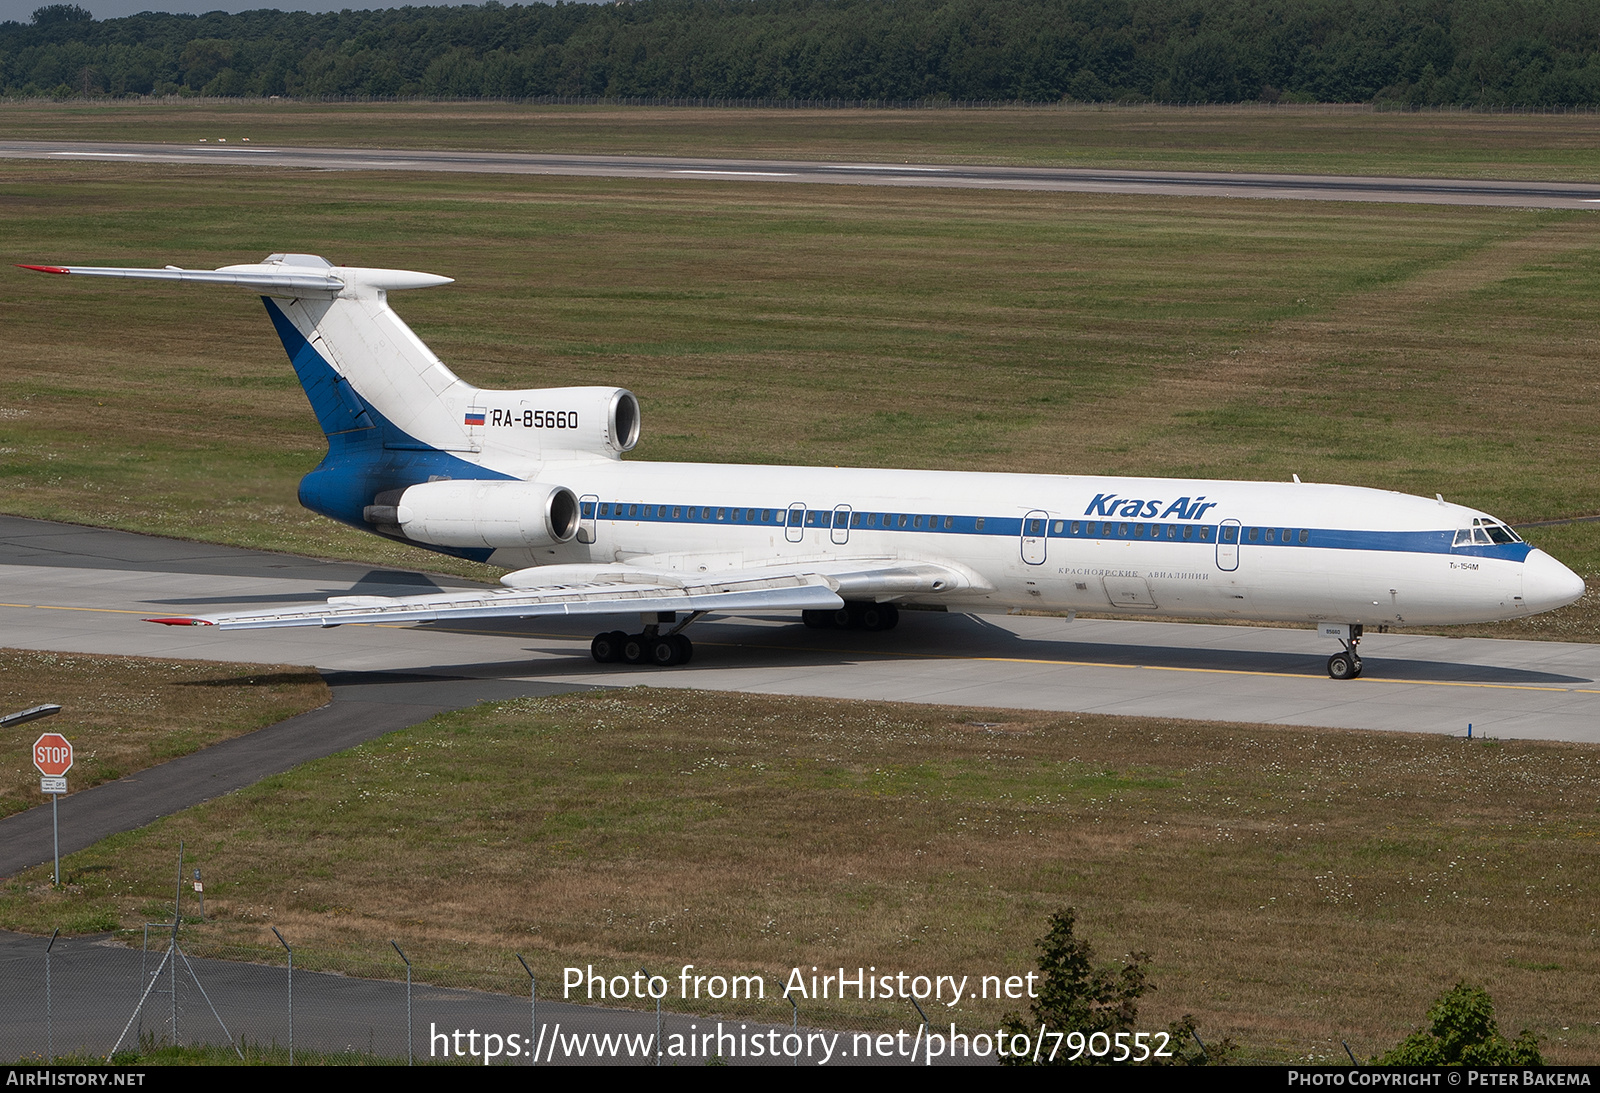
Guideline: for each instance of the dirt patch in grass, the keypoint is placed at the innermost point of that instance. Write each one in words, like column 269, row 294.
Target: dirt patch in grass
column 123, row 714
column 1296, row 888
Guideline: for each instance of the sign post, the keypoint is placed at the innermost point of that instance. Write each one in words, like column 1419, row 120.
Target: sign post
column 52, row 754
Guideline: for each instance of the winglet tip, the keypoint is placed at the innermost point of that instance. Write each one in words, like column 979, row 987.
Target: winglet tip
column 45, row 269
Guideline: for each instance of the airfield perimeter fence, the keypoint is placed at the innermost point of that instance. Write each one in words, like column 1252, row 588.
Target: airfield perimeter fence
column 82, row 999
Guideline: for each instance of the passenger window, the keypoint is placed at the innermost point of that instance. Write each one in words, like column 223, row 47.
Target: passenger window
column 633, row 510
column 1305, row 536
column 1188, row 531
column 677, row 512
column 917, row 523
column 1254, row 534
column 1058, row 527
column 855, row 519
column 1138, row 531
column 605, row 509
column 1205, row 535
column 1271, row 535
column 949, row 522
column 1227, row 534
column 902, row 521
column 977, row 525
column 1075, row 527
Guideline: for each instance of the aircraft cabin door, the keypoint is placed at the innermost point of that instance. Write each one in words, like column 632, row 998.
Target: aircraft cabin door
column 795, row 527
column 1228, row 546
column 588, row 506
column 1035, row 528
column 841, row 524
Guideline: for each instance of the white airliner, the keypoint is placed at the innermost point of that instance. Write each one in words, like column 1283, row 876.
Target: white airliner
column 535, row 481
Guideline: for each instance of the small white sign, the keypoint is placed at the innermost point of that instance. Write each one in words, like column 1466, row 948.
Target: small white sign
column 52, row 785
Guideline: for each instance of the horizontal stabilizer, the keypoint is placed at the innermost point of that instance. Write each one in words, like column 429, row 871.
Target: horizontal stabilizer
column 269, row 283
column 279, row 275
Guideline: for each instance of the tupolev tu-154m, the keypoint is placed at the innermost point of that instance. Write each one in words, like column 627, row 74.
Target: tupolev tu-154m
column 535, row 481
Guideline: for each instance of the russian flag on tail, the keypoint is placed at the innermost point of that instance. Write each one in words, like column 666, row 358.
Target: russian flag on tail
column 474, row 416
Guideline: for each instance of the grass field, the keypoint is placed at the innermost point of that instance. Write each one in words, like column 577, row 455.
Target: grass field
column 1294, row 887
column 123, row 714
column 1425, row 349
column 1316, row 140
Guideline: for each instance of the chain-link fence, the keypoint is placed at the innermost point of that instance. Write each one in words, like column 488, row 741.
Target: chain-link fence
column 142, row 996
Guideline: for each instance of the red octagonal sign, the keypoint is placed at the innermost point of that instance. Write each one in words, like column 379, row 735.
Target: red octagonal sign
column 52, row 754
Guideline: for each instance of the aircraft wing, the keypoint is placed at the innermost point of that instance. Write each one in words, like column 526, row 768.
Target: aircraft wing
column 618, row 588
column 592, row 591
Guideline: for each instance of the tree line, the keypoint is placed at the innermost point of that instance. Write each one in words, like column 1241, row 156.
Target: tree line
column 1468, row 53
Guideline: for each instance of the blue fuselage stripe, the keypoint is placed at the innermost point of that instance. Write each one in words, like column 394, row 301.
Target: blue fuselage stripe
column 1166, row 532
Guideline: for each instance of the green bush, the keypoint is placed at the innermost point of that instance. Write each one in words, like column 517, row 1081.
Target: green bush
column 1076, row 996
column 1462, row 1032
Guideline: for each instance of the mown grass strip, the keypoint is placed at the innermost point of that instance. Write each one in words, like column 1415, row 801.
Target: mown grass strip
column 1306, row 140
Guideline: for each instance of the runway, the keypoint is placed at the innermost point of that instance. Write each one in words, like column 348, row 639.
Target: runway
column 78, row 589
column 1429, row 191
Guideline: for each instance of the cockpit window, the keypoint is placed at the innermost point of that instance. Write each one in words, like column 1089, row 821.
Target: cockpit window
column 1485, row 532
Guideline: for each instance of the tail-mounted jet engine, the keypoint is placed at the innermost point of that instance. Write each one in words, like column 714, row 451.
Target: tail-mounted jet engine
column 553, row 422
column 475, row 513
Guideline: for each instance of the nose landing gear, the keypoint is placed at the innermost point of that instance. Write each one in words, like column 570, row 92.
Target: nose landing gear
column 1345, row 665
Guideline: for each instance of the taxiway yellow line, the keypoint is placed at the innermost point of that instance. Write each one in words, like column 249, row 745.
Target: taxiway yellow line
column 1066, row 663
column 945, row 656
column 53, row 607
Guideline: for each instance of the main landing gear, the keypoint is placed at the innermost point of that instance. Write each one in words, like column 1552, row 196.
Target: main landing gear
column 650, row 646
column 854, row 615
column 1345, row 665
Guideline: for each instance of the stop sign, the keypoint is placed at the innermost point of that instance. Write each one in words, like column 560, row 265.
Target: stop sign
column 52, row 754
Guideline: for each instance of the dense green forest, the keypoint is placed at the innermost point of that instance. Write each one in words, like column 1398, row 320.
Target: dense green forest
column 1543, row 53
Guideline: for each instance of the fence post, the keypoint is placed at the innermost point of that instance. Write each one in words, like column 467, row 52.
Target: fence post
column 410, row 1059
column 290, row 951
column 647, row 978
column 796, row 1007
column 49, row 1017
column 924, row 1017
column 533, row 1012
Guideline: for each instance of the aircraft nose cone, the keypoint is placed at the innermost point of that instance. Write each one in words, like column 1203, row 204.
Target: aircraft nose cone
column 1547, row 584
